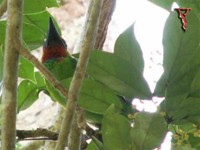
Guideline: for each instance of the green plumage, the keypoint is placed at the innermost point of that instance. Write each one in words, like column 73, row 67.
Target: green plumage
column 62, row 69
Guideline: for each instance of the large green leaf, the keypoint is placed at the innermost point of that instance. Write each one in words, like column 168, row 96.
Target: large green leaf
column 179, row 83
column 149, row 131
column 26, row 69
column 116, row 131
column 28, row 91
column 94, row 96
column 181, row 55
column 182, row 107
column 127, row 47
column 118, row 74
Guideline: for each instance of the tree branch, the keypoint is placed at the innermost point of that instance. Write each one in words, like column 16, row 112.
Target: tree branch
column 10, row 73
column 3, row 7
column 75, row 135
column 87, row 43
column 47, row 74
column 36, row 134
column 108, row 7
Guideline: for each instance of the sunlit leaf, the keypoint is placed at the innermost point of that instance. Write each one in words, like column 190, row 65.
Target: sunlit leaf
column 118, row 74
column 127, row 47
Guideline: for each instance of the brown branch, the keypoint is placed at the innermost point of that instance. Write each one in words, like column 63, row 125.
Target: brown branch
column 105, row 17
column 47, row 74
column 87, row 43
column 36, row 134
column 3, row 7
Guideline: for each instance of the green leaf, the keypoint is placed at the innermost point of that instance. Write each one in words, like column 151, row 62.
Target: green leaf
column 179, row 73
column 116, row 131
column 183, row 108
column 35, row 28
column 127, row 47
column 149, row 131
column 194, row 141
column 183, row 148
column 167, row 4
column 95, row 145
column 55, row 94
column 2, row 31
column 92, row 146
column 93, row 118
column 28, row 92
column 26, row 69
column 1, row 62
column 118, row 74
column 96, row 97
column 41, row 5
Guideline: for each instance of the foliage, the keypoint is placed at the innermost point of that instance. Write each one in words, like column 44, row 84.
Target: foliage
column 115, row 79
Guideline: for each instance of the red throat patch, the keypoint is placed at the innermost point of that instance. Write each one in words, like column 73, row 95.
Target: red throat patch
column 51, row 52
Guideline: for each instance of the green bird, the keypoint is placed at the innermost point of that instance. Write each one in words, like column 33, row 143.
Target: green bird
column 55, row 55
column 62, row 64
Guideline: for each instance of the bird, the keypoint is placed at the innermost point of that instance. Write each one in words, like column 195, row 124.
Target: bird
column 62, row 64
column 55, row 56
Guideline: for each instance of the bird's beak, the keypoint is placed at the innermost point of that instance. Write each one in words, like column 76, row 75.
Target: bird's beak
column 52, row 35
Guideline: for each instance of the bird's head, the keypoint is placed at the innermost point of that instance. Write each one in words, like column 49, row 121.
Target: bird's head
column 55, row 46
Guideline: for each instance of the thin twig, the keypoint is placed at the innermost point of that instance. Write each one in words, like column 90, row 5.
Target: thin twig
column 37, row 134
column 10, row 73
column 47, row 74
column 88, row 40
column 3, row 7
